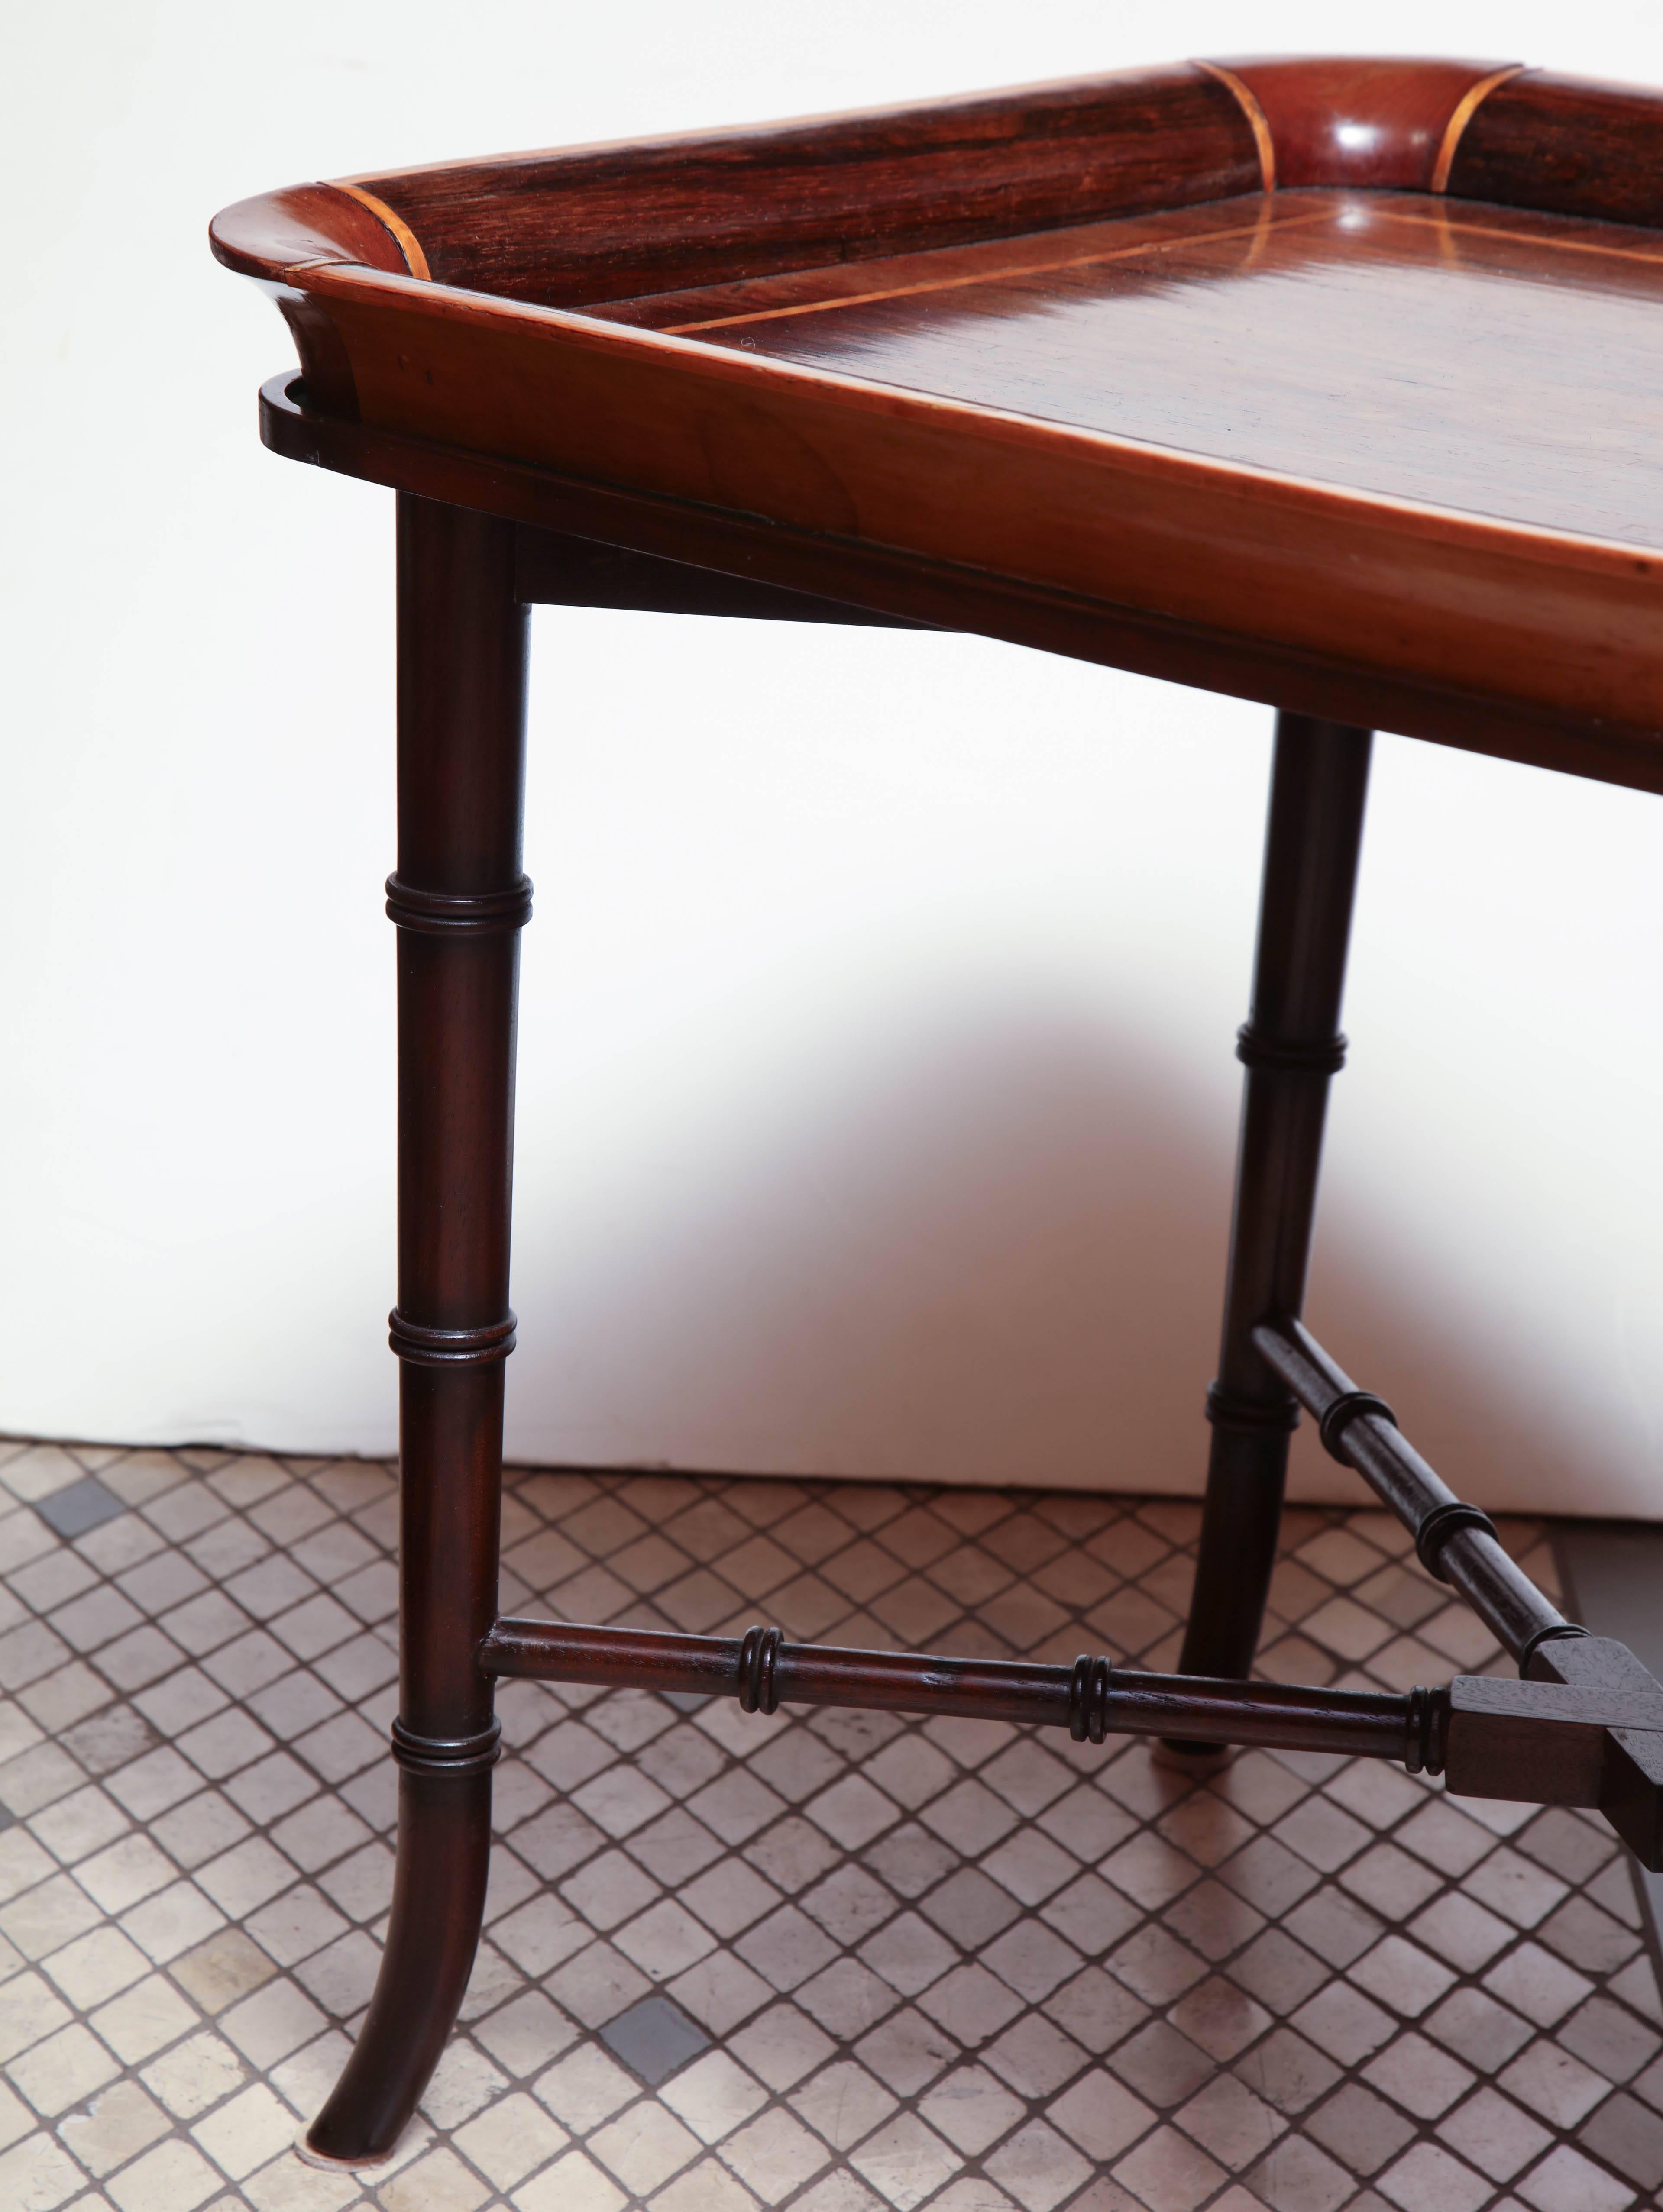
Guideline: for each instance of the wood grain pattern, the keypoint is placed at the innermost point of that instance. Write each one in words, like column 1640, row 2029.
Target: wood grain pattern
column 1044, row 365
column 1258, row 121
column 1152, row 240
column 609, row 221
column 1567, row 146
column 1455, row 130
column 1446, row 595
column 1055, row 340
column 1408, row 348
column 403, row 237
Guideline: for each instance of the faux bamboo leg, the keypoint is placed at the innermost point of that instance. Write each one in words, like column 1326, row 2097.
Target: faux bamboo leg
column 1291, row 1045
column 458, row 899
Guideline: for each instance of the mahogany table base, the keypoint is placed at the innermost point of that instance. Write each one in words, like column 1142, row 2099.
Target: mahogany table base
column 1123, row 369
column 1584, row 1726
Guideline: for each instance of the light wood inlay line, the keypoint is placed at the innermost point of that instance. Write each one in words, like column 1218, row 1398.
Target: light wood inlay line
column 409, row 245
column 1013, row 274
column 1468, row 106
column 1256, row 119
column 1460, row 227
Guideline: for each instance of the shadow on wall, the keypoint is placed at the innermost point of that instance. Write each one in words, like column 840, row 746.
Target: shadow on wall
column 998, row 1260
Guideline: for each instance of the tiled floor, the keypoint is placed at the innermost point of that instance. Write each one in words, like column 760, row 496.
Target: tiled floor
column 834, row 1962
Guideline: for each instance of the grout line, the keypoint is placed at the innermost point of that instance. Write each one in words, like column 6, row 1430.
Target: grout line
column 1146, row 1817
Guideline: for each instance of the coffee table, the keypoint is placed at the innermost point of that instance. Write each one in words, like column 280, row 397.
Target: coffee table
column 1328, row 384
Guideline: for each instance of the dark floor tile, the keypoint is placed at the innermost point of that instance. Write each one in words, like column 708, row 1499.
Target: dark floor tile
column 80, row 1506
column 655, row 2038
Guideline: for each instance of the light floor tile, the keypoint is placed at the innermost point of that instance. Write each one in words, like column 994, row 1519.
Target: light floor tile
column 935, row 1964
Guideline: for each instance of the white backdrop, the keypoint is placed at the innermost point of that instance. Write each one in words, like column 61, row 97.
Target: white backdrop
column 876, row 1092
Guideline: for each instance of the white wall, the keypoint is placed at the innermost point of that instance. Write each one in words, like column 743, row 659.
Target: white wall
column 876, row 1100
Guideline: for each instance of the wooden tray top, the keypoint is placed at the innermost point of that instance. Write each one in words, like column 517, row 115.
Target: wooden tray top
column 1298, row 373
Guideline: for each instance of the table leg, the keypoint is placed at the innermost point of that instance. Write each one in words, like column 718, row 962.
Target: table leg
column 458, row 899
column 1291, row 1045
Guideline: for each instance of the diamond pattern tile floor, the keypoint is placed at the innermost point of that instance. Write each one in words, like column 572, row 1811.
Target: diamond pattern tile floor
column 839, row 1961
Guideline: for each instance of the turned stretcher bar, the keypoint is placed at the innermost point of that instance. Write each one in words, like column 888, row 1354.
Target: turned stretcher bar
column 1583, row 1726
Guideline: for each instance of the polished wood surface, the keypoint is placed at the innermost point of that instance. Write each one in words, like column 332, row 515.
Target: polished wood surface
column 458, row 897
column 1059, row 338
column 554, row 569
column 1512, row 611
column 879, row 584
column 1423, row 350
column 1594, row 1740
column 409, row 245
column 1455, row 1542
column 1119, row 1701
column 283, row 234
column 601, row 222
column 1291, row 1045
column 1355, row 121
column 1324, row 382
column 1567, row 146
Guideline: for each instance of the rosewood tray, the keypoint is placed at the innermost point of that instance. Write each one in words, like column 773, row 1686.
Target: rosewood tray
column 1331, row 384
